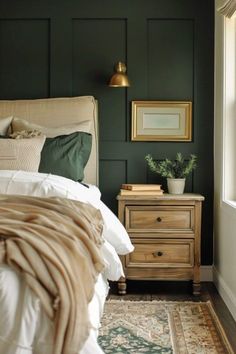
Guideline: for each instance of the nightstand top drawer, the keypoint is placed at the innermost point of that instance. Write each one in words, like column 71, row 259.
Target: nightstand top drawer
column 159, row 218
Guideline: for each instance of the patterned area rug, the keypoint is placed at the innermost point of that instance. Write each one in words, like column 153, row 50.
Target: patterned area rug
column 153, row 327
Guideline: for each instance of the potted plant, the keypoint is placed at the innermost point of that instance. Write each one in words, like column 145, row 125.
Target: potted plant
column 174, row 170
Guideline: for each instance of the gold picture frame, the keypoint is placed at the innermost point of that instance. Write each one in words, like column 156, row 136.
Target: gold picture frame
column 161, row 121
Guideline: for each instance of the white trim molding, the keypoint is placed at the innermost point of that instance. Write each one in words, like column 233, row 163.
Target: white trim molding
column 206, row 273
column 225, row 292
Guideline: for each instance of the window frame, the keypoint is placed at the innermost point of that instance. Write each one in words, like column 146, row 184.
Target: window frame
column 229, row 114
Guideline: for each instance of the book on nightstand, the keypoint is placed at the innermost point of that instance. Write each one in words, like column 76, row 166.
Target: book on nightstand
column 141, row 187
column 132, row 189
column 140, row 192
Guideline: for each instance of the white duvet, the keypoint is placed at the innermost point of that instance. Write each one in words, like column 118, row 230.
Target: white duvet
column 24, row 328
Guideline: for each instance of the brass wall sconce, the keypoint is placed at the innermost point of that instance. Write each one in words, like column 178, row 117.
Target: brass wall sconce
column 120, row 78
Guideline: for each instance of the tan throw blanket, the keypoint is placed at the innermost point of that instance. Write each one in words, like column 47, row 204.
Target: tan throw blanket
column 54, row 243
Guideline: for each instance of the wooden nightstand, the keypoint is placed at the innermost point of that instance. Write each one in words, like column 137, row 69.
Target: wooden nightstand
column 166, row 233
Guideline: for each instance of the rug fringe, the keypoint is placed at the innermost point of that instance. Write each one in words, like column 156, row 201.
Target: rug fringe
column 158, row 301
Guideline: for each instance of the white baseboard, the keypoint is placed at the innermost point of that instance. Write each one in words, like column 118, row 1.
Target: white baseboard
column 225, row 292
column 206, row 273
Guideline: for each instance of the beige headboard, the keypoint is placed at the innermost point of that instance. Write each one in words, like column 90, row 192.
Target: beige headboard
column 55, row 112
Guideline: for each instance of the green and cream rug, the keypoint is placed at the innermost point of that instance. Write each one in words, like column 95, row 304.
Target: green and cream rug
column 153, row 327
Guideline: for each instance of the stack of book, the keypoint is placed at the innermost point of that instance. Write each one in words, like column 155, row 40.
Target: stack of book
column 141, row 189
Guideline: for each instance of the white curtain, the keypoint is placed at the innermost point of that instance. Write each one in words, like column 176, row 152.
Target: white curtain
column 228, row 9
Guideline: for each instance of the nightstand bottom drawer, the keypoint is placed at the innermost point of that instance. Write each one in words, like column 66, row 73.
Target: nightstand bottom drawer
column 161, row 253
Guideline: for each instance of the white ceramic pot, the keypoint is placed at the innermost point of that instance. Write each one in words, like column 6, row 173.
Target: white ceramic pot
column 176, row 185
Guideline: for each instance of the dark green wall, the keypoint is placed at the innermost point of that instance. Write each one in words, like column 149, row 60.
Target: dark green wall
column 68, row 47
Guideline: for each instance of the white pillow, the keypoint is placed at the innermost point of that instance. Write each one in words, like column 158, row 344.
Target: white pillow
column 43, row 185
column 21, row 154
column 4, row 125
column 18, row 124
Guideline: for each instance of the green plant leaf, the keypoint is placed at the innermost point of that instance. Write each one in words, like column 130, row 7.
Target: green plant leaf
column 178, row 168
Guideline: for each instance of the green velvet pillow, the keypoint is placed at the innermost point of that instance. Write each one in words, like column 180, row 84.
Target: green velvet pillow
column 66, row 155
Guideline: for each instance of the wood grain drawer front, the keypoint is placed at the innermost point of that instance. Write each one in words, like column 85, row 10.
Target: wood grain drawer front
column 151, row 218
column 162, row 253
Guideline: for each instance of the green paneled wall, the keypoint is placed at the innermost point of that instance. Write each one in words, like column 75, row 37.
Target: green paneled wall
column 69, row 47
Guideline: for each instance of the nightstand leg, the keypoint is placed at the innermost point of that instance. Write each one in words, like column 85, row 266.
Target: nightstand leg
column 122, row 286
column 196, row 288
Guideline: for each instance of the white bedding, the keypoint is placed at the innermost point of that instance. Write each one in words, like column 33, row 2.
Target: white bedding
column 24, row 328
column 47, row 185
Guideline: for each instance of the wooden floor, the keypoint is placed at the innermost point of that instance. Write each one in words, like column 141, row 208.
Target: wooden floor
column 180, row 291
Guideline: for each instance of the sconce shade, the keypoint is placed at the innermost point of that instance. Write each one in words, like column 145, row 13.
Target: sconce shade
column 119, row 79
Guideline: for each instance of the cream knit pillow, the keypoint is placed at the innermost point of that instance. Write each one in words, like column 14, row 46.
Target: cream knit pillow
column 21, row 154
column 19, row 124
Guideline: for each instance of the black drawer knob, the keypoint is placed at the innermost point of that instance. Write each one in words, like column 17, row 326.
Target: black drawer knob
column 159, row 219
column 158, row 254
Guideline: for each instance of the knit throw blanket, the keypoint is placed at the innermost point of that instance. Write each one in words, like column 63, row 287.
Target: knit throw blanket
column 54, row 243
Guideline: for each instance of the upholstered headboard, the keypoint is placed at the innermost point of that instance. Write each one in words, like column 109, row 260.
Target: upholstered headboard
column 55, row 112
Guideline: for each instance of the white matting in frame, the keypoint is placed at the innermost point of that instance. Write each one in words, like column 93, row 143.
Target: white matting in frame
column 161, row 121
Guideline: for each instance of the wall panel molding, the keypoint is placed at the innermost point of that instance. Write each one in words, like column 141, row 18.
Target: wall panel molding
column 68, row 48
column 170, row 44
column 24, row 58
column 106, row 40
column 110, row 182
